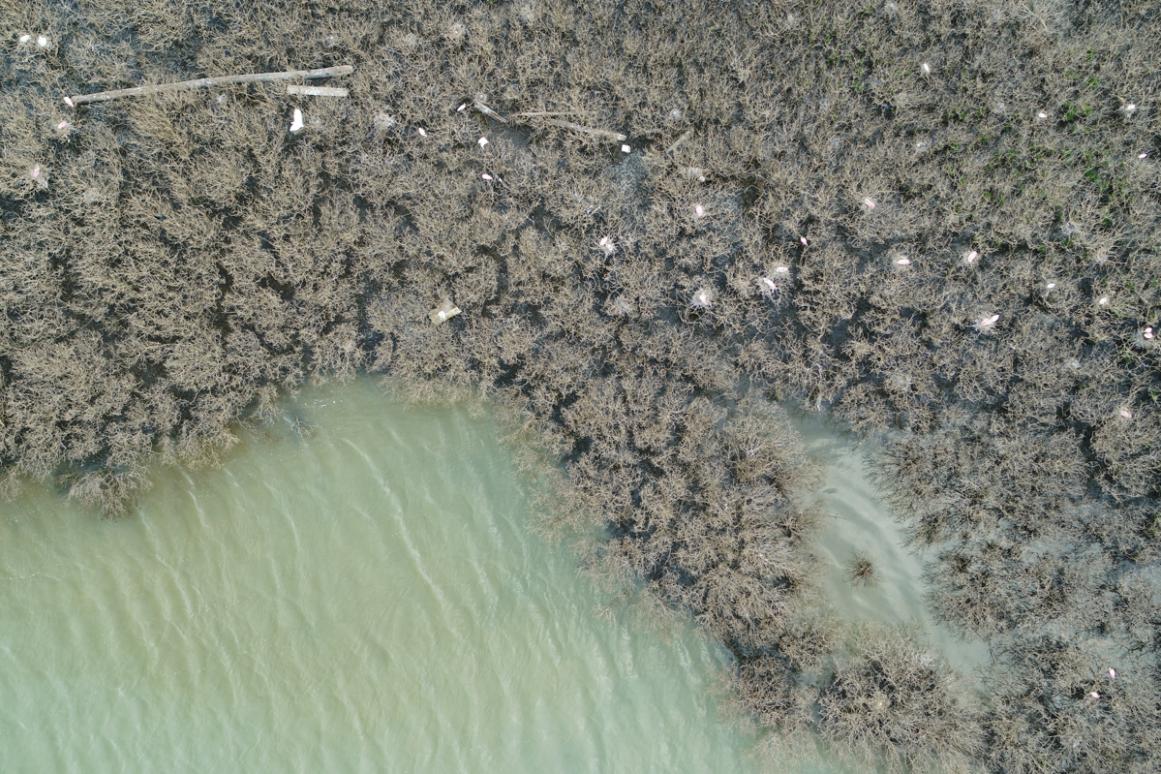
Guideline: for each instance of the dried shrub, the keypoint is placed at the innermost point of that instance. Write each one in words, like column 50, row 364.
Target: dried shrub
column 895, row 700
column 954, row 205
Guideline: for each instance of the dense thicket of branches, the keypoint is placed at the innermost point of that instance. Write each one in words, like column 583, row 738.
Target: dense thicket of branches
column 939, row 221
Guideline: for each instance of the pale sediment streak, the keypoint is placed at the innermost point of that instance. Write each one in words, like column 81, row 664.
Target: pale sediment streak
column 860, row 522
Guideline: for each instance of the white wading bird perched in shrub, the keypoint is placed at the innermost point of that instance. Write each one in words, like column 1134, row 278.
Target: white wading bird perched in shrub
column 702, row 299
column 985, row 324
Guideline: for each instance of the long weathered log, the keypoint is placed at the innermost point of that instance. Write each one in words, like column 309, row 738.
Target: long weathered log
column 205, row 83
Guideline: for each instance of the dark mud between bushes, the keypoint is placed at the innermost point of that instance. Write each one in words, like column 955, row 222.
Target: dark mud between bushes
column 937, row 224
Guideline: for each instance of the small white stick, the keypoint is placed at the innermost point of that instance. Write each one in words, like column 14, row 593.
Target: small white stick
column 480, row 106
column 542, row 113
column 203, row 83
column 297, row 89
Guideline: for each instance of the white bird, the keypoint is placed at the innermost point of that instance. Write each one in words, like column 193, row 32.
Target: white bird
column 702, row 299
column 767, row 287
column 986, row 323
column 296, row 123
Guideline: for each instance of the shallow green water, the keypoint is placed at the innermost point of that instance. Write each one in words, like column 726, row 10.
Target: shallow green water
column 369, row 598
column 372, row 595
column 860, row 523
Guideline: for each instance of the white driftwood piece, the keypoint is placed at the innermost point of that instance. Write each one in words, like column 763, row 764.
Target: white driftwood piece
column 444, row 312
column 299, row 90
column 204, row 83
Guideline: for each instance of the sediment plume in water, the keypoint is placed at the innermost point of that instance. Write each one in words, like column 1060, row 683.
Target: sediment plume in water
column 938, row 223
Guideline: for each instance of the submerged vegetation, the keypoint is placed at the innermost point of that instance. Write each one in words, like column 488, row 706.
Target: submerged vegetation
column 862, row 570
column 939, row 222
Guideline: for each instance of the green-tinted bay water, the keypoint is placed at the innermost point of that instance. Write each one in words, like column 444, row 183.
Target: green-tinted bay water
column 373, row 595
column 368, row 598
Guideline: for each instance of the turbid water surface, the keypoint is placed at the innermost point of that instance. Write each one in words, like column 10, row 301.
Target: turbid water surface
column 369, row 597
column 361, row 588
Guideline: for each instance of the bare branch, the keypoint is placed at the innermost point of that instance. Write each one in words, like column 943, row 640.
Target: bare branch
column 300, row 90
column 604, row 133
column 480, row 106
column 205, row 83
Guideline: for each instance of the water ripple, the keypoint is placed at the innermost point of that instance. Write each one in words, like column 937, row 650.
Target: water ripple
column 370, row 599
